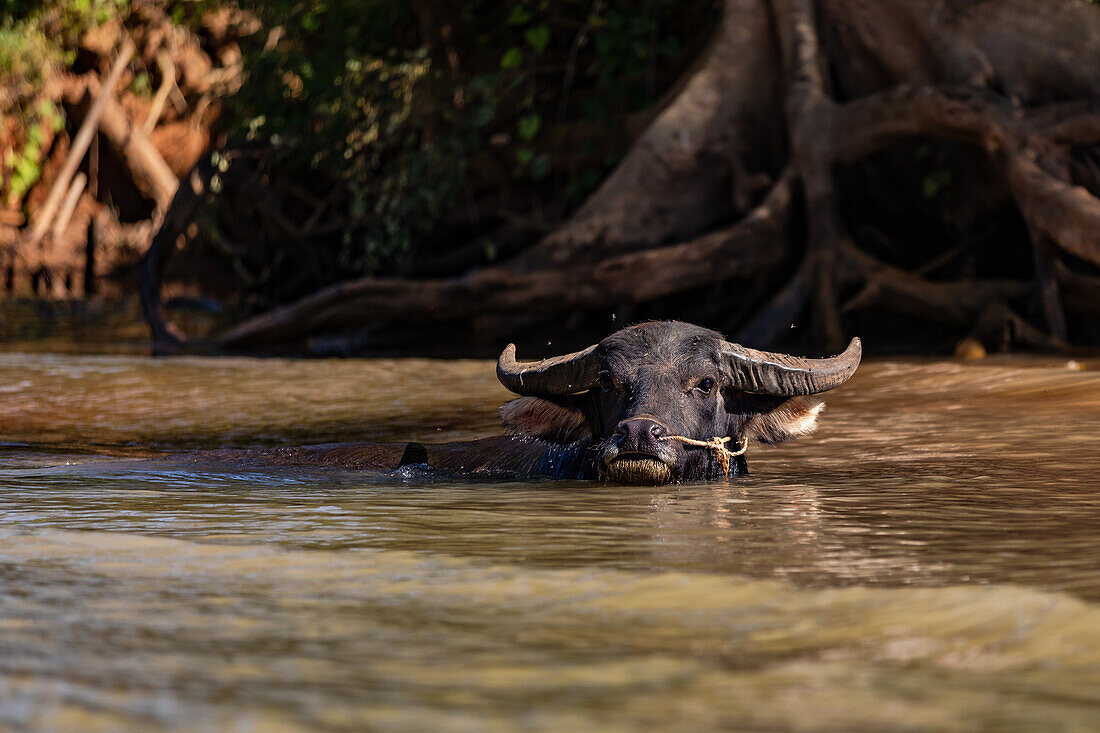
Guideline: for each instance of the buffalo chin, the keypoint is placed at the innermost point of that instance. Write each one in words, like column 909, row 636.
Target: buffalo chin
column 637, row 469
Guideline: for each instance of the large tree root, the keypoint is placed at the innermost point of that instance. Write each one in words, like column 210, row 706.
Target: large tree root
column 694, row 165
column 192, row 192
column 1030, row 149
column 746, row 249
column 847, row 79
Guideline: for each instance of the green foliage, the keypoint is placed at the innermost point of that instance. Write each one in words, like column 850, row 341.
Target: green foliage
column 347, row 99
column 935, row 182
column 400, row 119
column 511, row 59
column 358, row 98
column 77, row 16
column 36, row 39
column 22, row 168
column 936, row 176
column 26, row 59
column 189, row 13
column 65, row 20
column 537, row 37
column 528, row 126
column 142, row 85
column 572, row 58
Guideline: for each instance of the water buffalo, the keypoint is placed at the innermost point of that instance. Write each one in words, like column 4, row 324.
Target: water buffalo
column 654, row 403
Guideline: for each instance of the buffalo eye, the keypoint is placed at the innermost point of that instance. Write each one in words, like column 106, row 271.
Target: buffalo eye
column 705, row 385
column 607, row 384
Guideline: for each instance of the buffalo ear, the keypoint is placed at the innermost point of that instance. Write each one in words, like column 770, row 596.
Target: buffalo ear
column 557, row 419
column 789, row 419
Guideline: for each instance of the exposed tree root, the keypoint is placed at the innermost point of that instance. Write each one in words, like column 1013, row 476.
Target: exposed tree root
column 745, row 249
column 801, row 86
column 687, row 170
column 1081, row 293
column 959, row 302
column 998, row 326
column 192, row 192
column 824, row 133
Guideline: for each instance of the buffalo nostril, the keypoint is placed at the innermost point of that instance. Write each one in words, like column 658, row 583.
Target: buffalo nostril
column 640, row 433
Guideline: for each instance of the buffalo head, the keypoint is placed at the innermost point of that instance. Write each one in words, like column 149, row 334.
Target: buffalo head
column 628, row 394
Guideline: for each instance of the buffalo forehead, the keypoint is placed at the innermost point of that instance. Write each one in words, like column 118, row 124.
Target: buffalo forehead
column 680, row 350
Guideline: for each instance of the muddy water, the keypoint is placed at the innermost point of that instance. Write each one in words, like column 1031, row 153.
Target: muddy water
column 929, row 561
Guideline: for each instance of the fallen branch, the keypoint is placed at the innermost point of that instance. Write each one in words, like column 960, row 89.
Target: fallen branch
column 167, row 85
column 69, row 205
column 80, row 144
column 149, row 171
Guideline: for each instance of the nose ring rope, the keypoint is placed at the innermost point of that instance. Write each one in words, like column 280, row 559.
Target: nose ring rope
column 722, row 454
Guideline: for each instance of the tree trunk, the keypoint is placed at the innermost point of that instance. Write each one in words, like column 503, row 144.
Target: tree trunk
column 695, row 164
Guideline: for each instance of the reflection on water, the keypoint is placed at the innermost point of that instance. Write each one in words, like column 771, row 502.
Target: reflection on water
column 929, row 561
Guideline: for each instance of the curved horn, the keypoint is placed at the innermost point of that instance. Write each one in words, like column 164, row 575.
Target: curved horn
column 566, row 374
column 779, row 374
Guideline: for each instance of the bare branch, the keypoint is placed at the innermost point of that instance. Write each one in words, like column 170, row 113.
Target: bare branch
column 80, row 144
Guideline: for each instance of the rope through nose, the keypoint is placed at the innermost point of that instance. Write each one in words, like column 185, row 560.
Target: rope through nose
column 722, row 454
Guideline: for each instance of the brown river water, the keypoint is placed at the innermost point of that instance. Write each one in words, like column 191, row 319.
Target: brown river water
column 928, row 561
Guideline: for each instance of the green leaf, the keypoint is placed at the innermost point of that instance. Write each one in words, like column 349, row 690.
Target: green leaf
column 528, row 126
column 28, row 169
column 540, row 167
column 524, row 155
column 484, row 114
column 538, row 37
column 310, row 21
column 511, row 59
column 935, row 182
column 519, row 15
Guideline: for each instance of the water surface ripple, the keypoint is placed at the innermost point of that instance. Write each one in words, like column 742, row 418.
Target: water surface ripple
column 929, row 561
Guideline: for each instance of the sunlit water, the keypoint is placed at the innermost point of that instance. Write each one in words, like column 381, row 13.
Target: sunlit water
column 930, row 560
